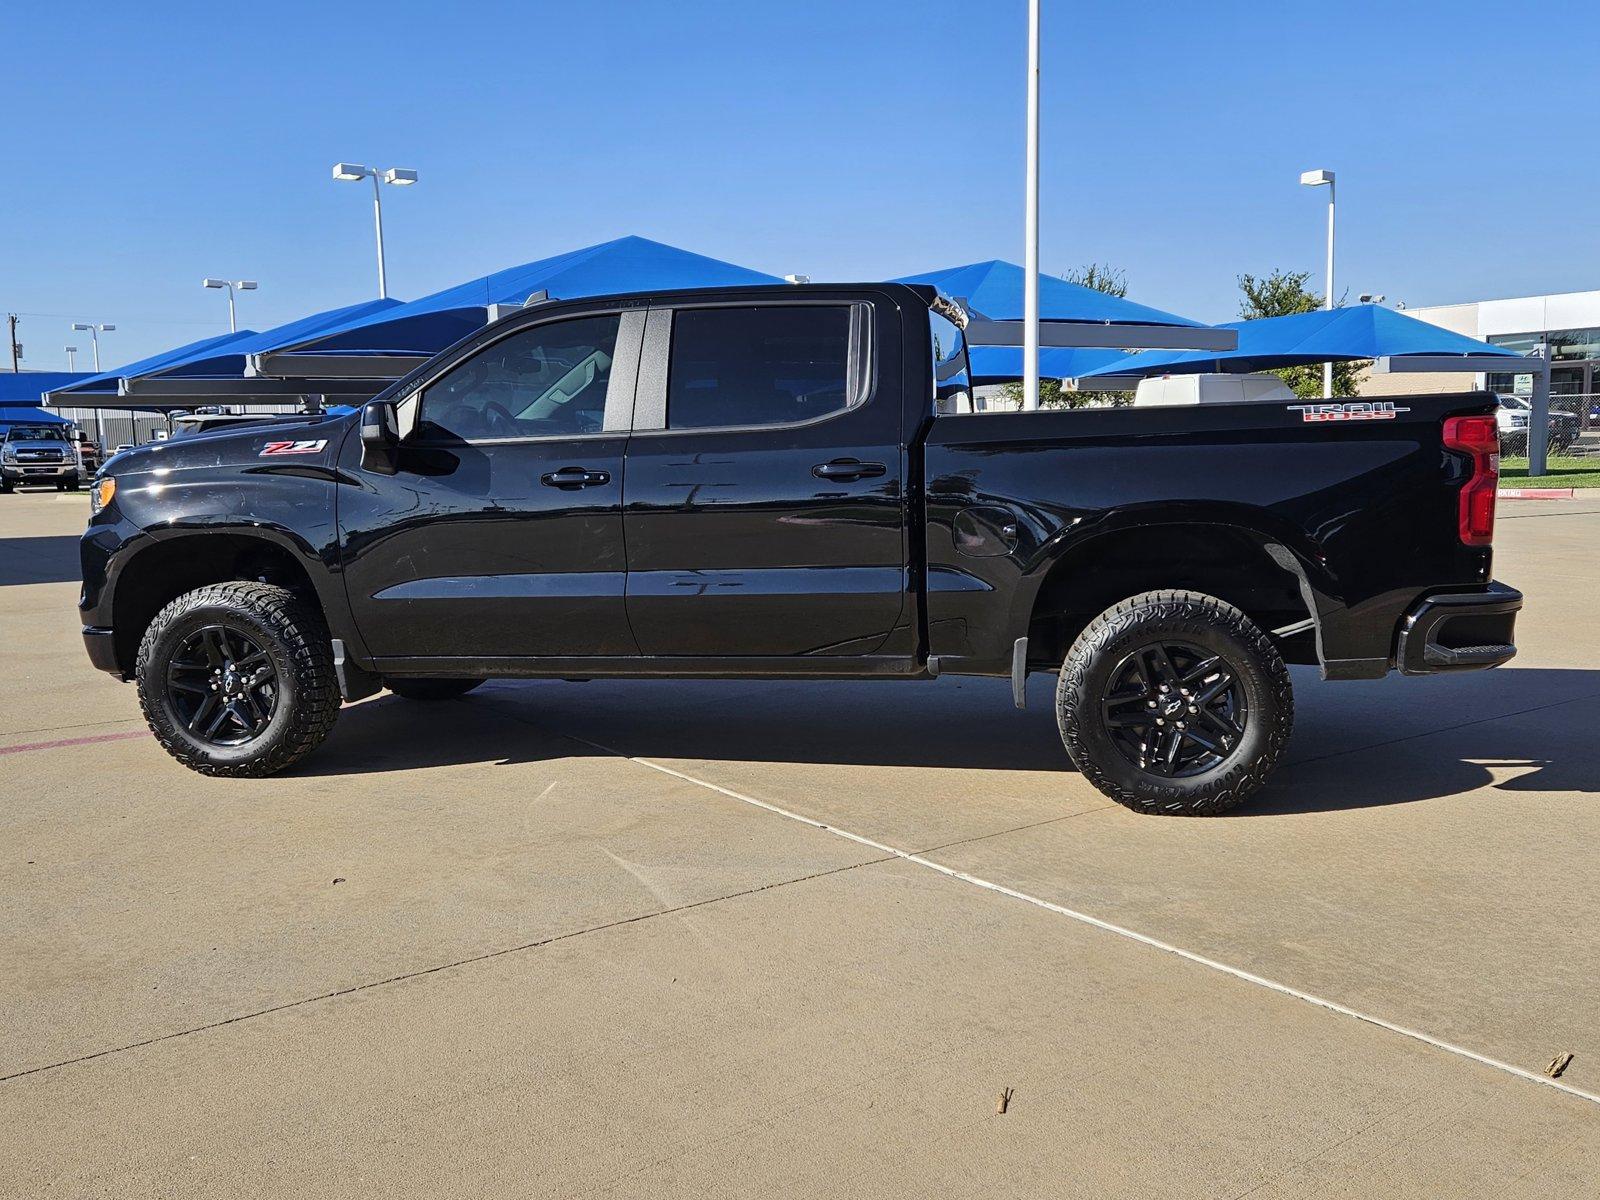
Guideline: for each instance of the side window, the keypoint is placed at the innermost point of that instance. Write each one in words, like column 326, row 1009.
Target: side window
column 548, row 381
column 952, row 385
column 761, row 365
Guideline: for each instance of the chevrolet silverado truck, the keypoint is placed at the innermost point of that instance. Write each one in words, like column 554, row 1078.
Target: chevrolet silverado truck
column 787, row 482
column 38, row 454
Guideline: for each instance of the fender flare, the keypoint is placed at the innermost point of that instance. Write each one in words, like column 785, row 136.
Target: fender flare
column 1315, row 585
column 321, row 568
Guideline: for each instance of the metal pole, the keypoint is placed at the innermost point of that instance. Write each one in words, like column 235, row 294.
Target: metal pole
column 233, row 321
column 72, row 360
column 1539, row 418
column 1327, row 367
column 1030, row 283
column 377, row 220
column 94, row 337
column 11, row 323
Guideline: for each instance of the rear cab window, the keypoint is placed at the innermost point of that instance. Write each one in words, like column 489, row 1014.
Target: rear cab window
column 763, row 365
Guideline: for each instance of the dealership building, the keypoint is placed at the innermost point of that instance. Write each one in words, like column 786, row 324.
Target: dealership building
column 1568, row 323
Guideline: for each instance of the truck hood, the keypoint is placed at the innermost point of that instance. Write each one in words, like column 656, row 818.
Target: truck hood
column 281, row 442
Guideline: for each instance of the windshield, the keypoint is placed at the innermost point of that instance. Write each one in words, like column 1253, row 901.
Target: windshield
column 35, row 433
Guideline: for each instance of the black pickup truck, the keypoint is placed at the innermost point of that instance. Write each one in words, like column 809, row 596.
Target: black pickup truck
column 785, row 482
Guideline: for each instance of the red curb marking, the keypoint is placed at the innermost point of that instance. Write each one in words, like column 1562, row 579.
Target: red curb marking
column 77, row 741
column 1534, row 493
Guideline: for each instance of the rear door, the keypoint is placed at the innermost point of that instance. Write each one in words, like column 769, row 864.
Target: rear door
column 765, row 508
column 500, row 536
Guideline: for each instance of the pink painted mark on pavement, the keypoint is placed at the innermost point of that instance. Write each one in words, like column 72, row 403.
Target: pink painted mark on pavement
column 62, row 743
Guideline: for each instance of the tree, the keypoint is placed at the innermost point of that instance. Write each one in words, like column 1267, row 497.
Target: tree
column 1284, row 294
column 1101, row 277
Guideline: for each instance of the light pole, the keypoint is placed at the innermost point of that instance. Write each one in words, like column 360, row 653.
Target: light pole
column 1317, row 179
column 72, row 357
column 94, row 332
column 243, row 285
column 1030, row 282
column 399, row 176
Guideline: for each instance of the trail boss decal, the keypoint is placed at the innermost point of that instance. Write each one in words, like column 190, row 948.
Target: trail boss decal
column 275, row 448
column 1359, row 411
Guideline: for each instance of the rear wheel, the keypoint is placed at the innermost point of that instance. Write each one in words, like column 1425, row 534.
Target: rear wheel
column 237, row 679
column 1175, row 702
column 431, row 689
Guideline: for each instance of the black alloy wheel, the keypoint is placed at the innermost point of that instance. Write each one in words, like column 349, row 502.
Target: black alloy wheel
column 1174, row 710
column 222, row 686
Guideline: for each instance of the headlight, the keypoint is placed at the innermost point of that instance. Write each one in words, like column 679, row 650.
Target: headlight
column 8, row 454
column 100, row 495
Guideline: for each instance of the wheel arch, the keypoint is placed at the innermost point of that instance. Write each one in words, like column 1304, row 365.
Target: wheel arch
column 163, row 564
column 1077, row 577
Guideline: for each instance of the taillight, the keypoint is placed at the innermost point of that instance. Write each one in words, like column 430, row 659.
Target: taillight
column 1479, row 437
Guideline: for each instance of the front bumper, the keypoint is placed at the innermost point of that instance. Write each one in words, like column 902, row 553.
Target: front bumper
column 102, row 647
column 38, row 472
column 1459, row 631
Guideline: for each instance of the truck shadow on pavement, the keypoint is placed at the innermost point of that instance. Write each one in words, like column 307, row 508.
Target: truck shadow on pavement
column 39, row 560
column 1521, row 732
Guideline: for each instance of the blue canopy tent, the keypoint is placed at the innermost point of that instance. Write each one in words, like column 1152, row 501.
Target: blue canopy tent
column 1079, row 327
column 21, row 392
column 218, row 372
column 995, row 364
column 385, row 345
column 1395, row 342
column 1326, row 335
column 90, row 389
column 28, row 388
column 993, row 289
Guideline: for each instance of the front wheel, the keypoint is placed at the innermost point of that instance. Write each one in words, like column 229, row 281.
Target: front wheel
column 1175, row 702
column 237, row 679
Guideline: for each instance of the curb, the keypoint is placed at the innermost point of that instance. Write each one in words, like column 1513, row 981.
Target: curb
column 1534, row 493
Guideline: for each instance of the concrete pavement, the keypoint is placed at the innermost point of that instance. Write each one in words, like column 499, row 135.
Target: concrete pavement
column 485, row 948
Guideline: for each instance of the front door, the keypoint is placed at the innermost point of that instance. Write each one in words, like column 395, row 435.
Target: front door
column 765, row 506
column 500, row 536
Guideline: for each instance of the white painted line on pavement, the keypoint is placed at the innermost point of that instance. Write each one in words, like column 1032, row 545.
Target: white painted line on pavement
column 1132, row 935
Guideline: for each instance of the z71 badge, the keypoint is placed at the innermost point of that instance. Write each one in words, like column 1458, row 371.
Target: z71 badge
column 1355, row 411
column 272, row 448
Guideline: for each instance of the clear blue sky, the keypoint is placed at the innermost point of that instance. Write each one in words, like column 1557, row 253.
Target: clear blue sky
column 147, row 146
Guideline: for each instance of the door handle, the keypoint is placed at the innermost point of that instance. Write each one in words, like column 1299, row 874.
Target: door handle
column 845, row 469
column 569, row 478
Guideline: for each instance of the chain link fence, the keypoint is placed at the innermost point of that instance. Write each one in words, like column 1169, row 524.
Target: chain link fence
column 1572, row 437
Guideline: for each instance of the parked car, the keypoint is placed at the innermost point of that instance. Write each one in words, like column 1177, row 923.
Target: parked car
column 89, row 456
column 795, row 508
column 1512, row 415
column 38, row 454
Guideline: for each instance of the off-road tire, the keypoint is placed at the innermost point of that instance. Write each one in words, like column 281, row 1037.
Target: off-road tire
column 431, row 689
column 296, row 639
column 1202, row 621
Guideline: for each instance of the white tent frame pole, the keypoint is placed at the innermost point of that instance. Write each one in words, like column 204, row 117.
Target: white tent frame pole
column 1030, row 284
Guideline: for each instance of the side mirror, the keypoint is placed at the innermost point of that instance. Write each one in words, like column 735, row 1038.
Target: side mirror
column 380, row 439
